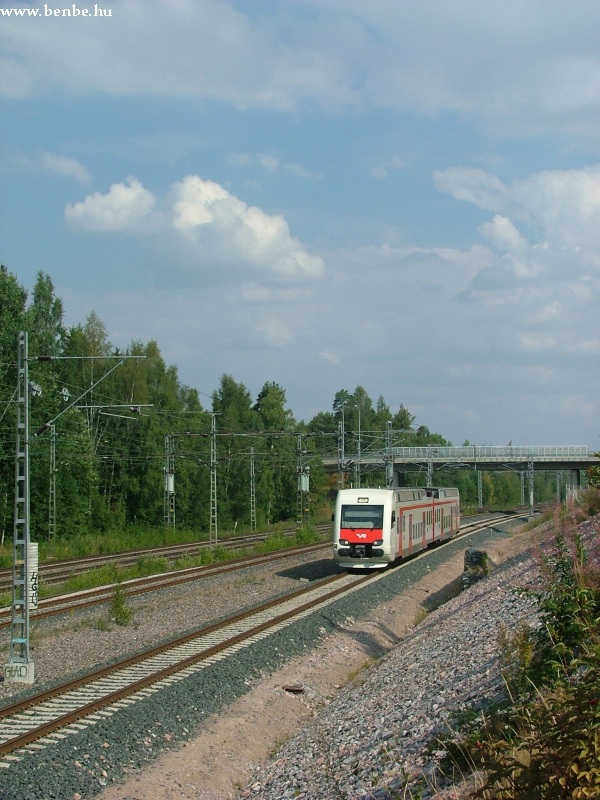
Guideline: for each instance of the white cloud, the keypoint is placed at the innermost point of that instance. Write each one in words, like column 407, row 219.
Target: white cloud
column 473, row 185
column 383, row 170
column 591, row 346
column 561, row 206
column 64, row 165
column 260, row 294
column 271, row 163
column 579, row 406
column 232, row 232
column 126, row 207
column 14, row 160
column 274, row 331
column 564, row 204
column 339, row 55
column 504, row 235
column 331, row 357
column 546, row 243
column 15, row 79
column 219, row 229
column 548, row 313
column 538, row 342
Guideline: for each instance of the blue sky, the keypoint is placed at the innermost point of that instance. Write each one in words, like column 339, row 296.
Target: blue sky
column 399, row 195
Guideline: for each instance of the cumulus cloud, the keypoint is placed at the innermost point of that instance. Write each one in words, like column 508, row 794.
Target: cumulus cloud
column 561, row 206
column 504, row 234
column 126, row 207
column 542, row 223
column 234, row 232
column 219, row 228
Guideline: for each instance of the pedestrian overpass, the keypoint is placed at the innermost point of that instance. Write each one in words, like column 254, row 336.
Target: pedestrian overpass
column 399, row 461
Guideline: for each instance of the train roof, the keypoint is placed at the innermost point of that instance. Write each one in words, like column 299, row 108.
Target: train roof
column 405, row 492
column 440, row 491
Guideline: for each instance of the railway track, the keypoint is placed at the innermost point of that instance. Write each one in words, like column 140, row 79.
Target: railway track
column 79, row 601
column 60, row 571
column 88, row 598
column 38, row 721
column 43, row 719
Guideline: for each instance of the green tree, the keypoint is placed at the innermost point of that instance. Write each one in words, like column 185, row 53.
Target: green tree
column 276, row 479
column 46, row 315
column 236, row 418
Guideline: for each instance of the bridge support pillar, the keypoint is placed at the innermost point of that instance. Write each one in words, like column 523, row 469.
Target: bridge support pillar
column 573, row 488
column 398, row 479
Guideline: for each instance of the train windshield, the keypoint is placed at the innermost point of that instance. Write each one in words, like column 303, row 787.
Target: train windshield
column 362, row 517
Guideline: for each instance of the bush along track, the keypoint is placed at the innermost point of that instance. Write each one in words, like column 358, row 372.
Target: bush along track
column 545, row 743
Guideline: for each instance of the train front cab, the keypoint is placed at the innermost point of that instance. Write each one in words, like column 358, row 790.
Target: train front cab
column 363, row 523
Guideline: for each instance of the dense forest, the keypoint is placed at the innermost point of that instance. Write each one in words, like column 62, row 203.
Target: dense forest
column 117, row 440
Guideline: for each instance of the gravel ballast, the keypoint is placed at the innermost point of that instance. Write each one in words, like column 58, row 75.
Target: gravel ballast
column 363, row 745
column 382, row 737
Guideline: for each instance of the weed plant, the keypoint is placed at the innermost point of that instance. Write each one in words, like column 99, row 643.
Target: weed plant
column 118, row 610
column 306, row 535
column 545, row 744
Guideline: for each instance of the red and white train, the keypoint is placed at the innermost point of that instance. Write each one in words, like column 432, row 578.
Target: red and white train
column 373, row 528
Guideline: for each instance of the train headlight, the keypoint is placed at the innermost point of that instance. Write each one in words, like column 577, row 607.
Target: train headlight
column 344, row 542
column 378, row 542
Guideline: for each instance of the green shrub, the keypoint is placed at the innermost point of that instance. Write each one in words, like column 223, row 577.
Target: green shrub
column 549, row 747
column 118, row 610
column 546, row 744
column 306, row 534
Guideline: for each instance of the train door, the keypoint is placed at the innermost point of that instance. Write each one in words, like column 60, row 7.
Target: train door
column 396, row 534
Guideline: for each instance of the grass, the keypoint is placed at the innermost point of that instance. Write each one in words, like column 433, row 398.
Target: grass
column 134, row 537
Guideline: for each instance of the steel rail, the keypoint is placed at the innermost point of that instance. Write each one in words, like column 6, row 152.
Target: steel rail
column 88, row 598
column 58, row 571
column 61, row 707
column 34, row 719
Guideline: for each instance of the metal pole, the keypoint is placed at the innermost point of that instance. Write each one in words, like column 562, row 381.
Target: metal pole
column 52, row 492
column 530, row 471
column 429, row 466
column 357, row 464
column 20, row 666
column 169, row 490
column 213, row 535
column 389, row 464
column 252, row 492
column 299, row 498
column 340, row 455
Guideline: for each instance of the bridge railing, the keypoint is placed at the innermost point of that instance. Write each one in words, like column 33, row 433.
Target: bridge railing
column 481, row 453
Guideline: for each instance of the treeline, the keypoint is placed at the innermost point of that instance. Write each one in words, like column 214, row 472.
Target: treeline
column 107, row 425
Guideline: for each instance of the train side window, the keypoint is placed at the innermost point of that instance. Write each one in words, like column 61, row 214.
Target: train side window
column 393, row 518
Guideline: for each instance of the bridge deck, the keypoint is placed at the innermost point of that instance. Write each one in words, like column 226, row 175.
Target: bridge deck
column 488, row 457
